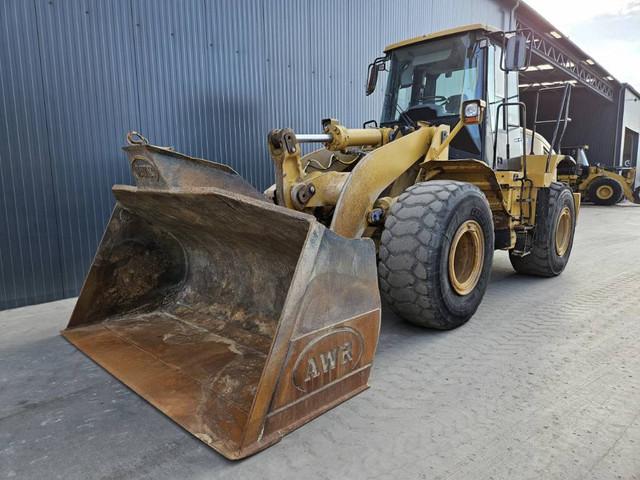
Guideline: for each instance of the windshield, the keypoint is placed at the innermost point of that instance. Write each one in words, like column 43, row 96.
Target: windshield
column 431, row 80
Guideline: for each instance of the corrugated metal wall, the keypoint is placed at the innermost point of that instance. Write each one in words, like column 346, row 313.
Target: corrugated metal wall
column 210, row 77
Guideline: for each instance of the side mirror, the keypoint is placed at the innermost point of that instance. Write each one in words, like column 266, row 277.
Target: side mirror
column 378, row 65
column 516, row 53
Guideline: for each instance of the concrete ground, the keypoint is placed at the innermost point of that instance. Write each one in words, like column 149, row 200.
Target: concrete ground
column 543, row 383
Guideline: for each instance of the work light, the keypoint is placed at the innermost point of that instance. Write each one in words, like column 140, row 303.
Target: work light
column 472, row 111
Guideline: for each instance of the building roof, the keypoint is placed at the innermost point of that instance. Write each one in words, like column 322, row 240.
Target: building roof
column 527, row 16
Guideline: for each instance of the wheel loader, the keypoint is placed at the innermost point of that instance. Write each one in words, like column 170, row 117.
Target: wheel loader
column 597, row 184
column 244, row 315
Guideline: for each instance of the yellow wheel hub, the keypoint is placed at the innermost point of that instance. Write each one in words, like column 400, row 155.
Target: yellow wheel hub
column 563, row 231
column 604, row 192
column 466, row 257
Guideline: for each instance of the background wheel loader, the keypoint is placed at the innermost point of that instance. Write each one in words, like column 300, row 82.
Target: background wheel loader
column 242, row 316
column 600, row 185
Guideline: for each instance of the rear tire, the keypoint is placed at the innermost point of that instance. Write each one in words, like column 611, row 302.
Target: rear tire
column 605, row 191
column 636, row 195
column 436, row 252
column 553, row 234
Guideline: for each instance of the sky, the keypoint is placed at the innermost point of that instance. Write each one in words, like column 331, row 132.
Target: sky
column 608, row 30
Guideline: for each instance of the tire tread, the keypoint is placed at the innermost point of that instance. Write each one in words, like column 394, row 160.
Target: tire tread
column 538, row 262
column 408, row 241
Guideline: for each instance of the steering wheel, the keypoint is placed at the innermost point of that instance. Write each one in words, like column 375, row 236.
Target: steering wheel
column 452, row 104
column 438, row 99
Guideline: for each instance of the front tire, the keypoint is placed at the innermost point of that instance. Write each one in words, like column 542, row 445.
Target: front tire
column 436, row 253
column 605, row 191
column 553, row 234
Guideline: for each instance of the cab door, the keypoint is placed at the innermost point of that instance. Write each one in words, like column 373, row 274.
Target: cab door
column 502, row 87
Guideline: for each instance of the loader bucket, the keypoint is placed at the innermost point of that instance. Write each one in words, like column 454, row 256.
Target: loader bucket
column 238, row 319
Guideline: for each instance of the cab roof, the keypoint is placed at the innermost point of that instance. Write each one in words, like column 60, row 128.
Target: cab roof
column 440, row 34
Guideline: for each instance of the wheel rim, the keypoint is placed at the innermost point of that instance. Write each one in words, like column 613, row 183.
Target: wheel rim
column 466, row 257
column 604, row 192
column 563, row 232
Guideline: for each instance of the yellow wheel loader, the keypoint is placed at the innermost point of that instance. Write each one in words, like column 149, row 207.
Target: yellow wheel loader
column 244, row 315
column 600, row 185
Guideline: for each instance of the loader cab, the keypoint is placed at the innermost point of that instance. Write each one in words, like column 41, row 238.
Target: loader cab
column 575, row 161
column 431, row 77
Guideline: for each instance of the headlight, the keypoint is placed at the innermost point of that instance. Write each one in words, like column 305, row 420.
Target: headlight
column 471, row 110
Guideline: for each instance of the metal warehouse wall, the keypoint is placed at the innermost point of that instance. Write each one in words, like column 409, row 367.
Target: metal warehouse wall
column 209, row 77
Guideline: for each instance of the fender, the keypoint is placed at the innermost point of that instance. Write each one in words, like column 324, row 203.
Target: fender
column 373, row 174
